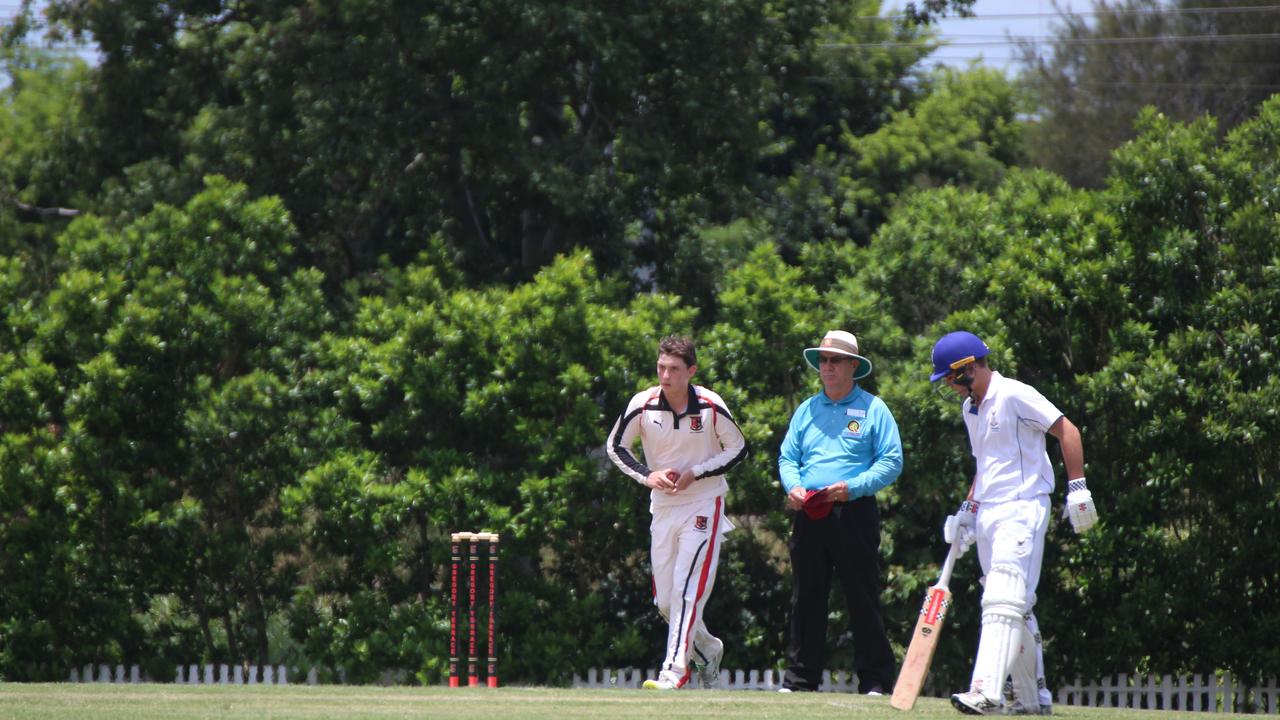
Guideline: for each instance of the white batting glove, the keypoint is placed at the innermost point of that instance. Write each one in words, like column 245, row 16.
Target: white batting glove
column 1080, row 507
column 963, row 525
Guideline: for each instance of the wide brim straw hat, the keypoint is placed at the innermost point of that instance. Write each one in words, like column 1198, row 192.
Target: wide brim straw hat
column 839, row 342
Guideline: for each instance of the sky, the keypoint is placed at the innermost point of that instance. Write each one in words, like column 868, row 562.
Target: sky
column 10, row 8
column 985, row 36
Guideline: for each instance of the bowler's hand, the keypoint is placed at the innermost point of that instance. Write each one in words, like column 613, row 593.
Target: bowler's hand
column 685, row 479
column 795, row 498
column 663, row 480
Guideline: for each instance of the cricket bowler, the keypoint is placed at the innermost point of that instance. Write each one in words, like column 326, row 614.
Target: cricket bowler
column 690, row 441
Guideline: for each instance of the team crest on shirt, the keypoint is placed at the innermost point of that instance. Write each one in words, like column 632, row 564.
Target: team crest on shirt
column 695, row 424
column 994, row 422
column 700, row 522
column 852, row 429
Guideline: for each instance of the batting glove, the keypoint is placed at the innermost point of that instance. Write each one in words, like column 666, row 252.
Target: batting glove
column 963, row 525
column 1080, row 508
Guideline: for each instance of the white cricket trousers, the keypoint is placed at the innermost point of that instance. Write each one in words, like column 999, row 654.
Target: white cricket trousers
column 685, row 552
column 1013, row 534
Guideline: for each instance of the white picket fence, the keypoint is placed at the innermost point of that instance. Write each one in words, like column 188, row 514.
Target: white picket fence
column 1196, row 693
column 217, row 675
column 1192, row 693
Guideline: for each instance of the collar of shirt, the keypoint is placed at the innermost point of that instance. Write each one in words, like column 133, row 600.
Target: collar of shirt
column 842, row 401
column 993, row 389
column 693, row 406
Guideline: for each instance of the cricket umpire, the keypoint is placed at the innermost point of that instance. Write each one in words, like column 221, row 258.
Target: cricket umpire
column 841, row 447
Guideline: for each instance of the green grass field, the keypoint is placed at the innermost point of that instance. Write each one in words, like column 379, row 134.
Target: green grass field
column 178, row 702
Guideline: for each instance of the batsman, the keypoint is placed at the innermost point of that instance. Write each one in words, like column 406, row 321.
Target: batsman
column 1006, row 514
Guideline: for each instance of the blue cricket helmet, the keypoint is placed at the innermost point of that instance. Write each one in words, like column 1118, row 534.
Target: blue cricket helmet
column 955, row 350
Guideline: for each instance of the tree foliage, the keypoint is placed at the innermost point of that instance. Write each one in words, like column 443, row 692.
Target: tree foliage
column 517, row 130
column 1188, row 59
column 241, row 411
column 1139, row 310
column 964, row 133
column 160, row 372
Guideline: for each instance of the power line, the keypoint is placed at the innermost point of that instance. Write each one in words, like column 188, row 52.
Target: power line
column 1225, row 39
column 943, row 56
column 989, row 36
column 1179, row 85
column 1090, row 13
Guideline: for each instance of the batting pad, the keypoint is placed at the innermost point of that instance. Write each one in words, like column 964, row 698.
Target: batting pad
column 1004, row 600
column 1026, row 687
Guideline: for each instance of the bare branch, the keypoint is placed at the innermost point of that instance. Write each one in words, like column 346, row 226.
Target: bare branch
column 42, row 211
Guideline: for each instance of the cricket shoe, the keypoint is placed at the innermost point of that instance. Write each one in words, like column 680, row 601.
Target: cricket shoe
column 1014, row 706
column 709, row 669
column 975, row 703
column 667, row 680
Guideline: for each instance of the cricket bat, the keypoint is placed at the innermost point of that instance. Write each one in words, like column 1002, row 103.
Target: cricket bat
column 924, row 640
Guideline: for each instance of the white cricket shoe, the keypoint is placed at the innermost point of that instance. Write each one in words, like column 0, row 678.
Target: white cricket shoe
column 1014, row 706
column 709, row 671
column 975, row 703
column 667, row 680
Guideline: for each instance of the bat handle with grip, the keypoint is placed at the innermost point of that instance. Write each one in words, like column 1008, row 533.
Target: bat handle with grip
column 944, row 578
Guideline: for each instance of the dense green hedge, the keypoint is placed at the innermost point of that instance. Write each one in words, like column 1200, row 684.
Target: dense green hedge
column 328, row 299
column 201, row 462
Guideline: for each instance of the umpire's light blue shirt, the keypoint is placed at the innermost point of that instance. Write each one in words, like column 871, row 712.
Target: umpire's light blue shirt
column 854, row 439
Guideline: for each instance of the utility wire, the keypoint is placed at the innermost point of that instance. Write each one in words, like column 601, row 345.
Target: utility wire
column 1090, row 13
column 1225, row 39
column 1176, row 85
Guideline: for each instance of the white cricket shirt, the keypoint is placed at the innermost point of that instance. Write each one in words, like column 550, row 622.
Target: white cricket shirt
column 704, row 439
column 1006, row 434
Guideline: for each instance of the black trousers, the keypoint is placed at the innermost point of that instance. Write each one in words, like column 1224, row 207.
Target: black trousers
column 846, row 542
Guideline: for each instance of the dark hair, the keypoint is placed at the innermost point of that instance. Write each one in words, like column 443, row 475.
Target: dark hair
column 681, row 346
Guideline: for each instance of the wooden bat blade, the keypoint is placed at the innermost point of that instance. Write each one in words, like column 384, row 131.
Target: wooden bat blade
column 924, row 640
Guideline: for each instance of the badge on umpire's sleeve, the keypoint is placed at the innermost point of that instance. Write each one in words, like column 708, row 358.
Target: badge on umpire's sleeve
column 700, row 522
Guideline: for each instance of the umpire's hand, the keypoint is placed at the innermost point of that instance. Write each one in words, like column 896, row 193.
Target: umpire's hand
column 795, row 498
column 839, row 492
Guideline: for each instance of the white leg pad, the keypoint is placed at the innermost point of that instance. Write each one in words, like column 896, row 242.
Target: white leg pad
column 1046, row 695
column 1026, row 686
column 1004, row 601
